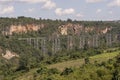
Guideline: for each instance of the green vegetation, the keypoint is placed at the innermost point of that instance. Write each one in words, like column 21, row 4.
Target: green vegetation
column 93, row 59
column 88, row 63
column 108, row 69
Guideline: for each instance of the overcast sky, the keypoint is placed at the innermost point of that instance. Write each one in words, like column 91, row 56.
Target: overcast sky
column 62, row 9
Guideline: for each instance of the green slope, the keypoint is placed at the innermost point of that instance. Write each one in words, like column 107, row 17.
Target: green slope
column 79, row 62
column 61, row 66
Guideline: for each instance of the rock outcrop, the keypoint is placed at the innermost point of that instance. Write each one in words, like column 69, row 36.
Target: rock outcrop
column 104, row 31
column 8, row 55
column 22, row 28
column 77, row 29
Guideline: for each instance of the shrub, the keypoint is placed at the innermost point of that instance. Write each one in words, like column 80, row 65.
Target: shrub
column 101, row 72
column 53, row 71
column 67, row 71
column 42, row 70
column 87, row 60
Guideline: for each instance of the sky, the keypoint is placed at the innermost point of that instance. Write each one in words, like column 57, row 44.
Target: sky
column 62, row 9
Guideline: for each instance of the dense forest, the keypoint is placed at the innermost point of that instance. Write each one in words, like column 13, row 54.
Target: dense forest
column 28, row 43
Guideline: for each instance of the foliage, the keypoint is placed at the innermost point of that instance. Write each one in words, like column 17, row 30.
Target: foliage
column 30, row 57
column 67, row 71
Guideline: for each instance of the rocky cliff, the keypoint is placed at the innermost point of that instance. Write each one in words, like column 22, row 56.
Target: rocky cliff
column 77, row 29
column 66, row 29
column 22, row 28
column 9, row 55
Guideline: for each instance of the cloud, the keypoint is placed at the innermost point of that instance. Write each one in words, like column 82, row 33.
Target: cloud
column 60, row 11
column 47, row 4
column 110, row 12
column 30, row 10
column 98, row 11
column 5, row 1
column 25, row 1
column 32, row 1
column 79, row 15
column 93, row 1
column 6, row 9
column 114, row 3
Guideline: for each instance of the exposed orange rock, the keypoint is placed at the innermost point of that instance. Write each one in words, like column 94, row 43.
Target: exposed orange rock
column 89, row 29
column 8, row 55
column 75, row 28
column 23, row 28
column 104, row 31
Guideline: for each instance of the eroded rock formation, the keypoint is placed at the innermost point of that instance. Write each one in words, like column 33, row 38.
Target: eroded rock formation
column 77, row 29
column 22, row 28
column 104, row 31
column 8, row 55
column 65, row 29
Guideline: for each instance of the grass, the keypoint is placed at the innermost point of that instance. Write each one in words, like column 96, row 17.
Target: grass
column 77, row 63
column 73, row 63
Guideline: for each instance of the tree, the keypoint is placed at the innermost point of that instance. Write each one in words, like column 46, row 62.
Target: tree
column 24, row 64
column 87, row 61
column 67, row 71
column 42, row 70
column 69, row 20
column 53, row 71
column 116, row 73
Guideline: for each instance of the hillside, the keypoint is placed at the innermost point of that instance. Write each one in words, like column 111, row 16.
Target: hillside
column 77, row 63
column 104, row 61
column 27, row 43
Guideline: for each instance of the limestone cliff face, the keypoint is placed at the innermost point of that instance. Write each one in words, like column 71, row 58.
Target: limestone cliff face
column 89, row 29
column 9, row 55
column 23, row 29
column 76, row 29
column 63, row 30
column 104, row 31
